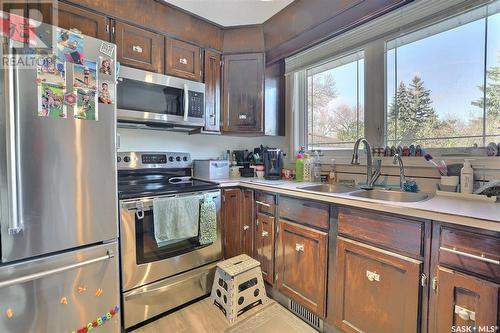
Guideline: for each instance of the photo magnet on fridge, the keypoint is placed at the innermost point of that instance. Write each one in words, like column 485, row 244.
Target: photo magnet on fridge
column 105, row 66
column 51, row 101
column 86, row 106
column 50, row 70
column 69, row 46
column 106, row 94
column 107, row 49
column 85, row 75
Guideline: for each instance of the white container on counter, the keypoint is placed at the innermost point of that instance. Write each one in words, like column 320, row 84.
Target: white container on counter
column 211, row 169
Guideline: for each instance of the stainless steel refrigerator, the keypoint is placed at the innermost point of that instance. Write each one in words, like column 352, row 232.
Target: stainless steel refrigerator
column 58, row 197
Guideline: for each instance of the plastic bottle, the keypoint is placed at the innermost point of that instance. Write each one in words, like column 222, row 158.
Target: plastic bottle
column 467, row 177
column 316, row 167
column 332, row 175
column 299, row 168
column 307, row 168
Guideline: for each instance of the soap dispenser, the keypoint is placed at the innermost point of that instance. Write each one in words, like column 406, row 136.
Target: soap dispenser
column 467, row 177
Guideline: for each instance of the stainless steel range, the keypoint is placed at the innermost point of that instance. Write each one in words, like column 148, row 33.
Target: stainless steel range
column 157, row 277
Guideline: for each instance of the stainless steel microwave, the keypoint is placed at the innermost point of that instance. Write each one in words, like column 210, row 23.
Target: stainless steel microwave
column 156, row 100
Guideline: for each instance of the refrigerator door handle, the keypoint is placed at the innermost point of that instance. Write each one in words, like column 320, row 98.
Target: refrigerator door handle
column 186, row 102
column 36, row 276
column 14, row 224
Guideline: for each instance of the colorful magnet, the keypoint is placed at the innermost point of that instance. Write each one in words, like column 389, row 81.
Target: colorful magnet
column 98, row 292
column 85, row 75
column 51, row 101
column 86, row 106
column 105, row 66
column 90, row 327
column 9, row 313
column 70, row 99
column 69, row 46
column 63, row 300
column 107, row 49
column 99, row 321
column 81, row 289
column 108, row 316
column 106, row 95
column 50, row 70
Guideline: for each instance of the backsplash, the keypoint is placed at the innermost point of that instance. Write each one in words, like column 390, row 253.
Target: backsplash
column 200, row 146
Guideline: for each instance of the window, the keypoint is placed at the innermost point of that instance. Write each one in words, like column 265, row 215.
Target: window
column 436, row 79
column 335, row 98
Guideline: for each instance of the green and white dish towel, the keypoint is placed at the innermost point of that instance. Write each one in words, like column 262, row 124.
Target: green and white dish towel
column 208, row 220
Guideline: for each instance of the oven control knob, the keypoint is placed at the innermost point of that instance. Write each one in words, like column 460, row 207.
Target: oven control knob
column 118, row 159
column 171, row 159
column 185, row 158
column 126, row 159
column 178, row 158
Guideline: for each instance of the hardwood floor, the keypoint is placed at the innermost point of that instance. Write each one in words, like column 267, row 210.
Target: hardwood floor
column 204, row 317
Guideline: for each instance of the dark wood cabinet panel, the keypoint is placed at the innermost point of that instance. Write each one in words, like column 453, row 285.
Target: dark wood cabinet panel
column 212, row 69
column 264, row 245
column 183, row 59
column 462, row 300
column 231, row 222
column 139, row 48
column 265, row 202
column 89, row 23
column 243, row 84
column 375, row 291
column 312, row 213
column 389, row 231
column 247, row 226
column 243, row 39
column 302, row 265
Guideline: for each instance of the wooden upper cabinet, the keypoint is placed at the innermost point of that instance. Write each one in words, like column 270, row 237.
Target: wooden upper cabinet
column 247, row 228
column 212, row 75
column 231, row 222
column 463, row 300
column 88, row 22
column 183, row 59
column 243, row 85
column 139, row 48
column 302, row 265
column 274, row 99
column 264, row 245
column 376, row 291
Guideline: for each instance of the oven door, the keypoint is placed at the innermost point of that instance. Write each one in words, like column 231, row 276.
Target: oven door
column 143, row 261
column 145, row 97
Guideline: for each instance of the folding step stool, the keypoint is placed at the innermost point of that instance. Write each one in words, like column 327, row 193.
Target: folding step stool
column 238, row 286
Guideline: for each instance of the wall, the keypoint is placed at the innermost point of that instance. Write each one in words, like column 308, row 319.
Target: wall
column 199, row 145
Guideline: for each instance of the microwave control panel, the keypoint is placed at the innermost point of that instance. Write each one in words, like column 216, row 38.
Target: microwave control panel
column 196, row 104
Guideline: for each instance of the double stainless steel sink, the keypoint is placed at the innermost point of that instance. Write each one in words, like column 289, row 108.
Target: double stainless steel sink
column 376, row 194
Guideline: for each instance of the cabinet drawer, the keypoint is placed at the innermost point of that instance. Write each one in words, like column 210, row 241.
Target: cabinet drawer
column 183, row 59
column 399, row 234
column 470, row 252
column 313, row 213
column 265, row 203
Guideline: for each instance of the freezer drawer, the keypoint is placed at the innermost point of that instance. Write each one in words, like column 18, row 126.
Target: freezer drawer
column 61, row 293
column 153, row 299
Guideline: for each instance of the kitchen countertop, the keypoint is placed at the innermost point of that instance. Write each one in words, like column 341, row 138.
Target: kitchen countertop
column 458, row 211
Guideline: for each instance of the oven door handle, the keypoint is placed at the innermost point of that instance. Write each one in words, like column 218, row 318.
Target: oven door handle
column 186, row 102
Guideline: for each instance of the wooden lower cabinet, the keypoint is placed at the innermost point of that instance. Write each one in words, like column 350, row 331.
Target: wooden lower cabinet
column 302, row 265
column 376, row 291
column 247, row 226
column 264, row 245
column 465, row 301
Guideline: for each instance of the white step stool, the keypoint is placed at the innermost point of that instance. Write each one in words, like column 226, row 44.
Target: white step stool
column 238, row 286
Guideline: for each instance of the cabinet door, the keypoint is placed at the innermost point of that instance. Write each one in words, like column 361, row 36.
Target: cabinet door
column 463, row 300
column 377, row 291
column 183, row 59
column 212, row 90
column 302, row 265
column 139, row 48
column 247, row 222
column 243, row 85
column 264, row 246
column 231, row 222
column 89, row 23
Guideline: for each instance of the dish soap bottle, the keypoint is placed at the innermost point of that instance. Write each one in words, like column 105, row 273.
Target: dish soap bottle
column 299, row 167
column 467, row 177
column 332, row 175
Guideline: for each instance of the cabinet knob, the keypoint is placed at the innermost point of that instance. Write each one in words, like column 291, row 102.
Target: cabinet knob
column 372, row 276
column 465, row 314
column 137, row 48
column 265, row 233
column 246, row 227
column 299, row 247
column 183, row 61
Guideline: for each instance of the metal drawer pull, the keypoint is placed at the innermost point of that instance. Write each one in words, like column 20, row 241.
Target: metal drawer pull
column 473, row 256
column 137, row 48
column 245, row 227
column 265, row 234
column 465, row 314
column 262, row 203
column 299, row 247
column 36, row 276
column 183, row 61
column 373, row 276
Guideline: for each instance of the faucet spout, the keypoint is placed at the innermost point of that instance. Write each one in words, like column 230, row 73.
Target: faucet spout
column 369, row 160
column 402, row 179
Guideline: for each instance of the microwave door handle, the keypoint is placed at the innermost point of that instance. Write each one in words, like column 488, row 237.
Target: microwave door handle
column 14, row 225
column 186, row 102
